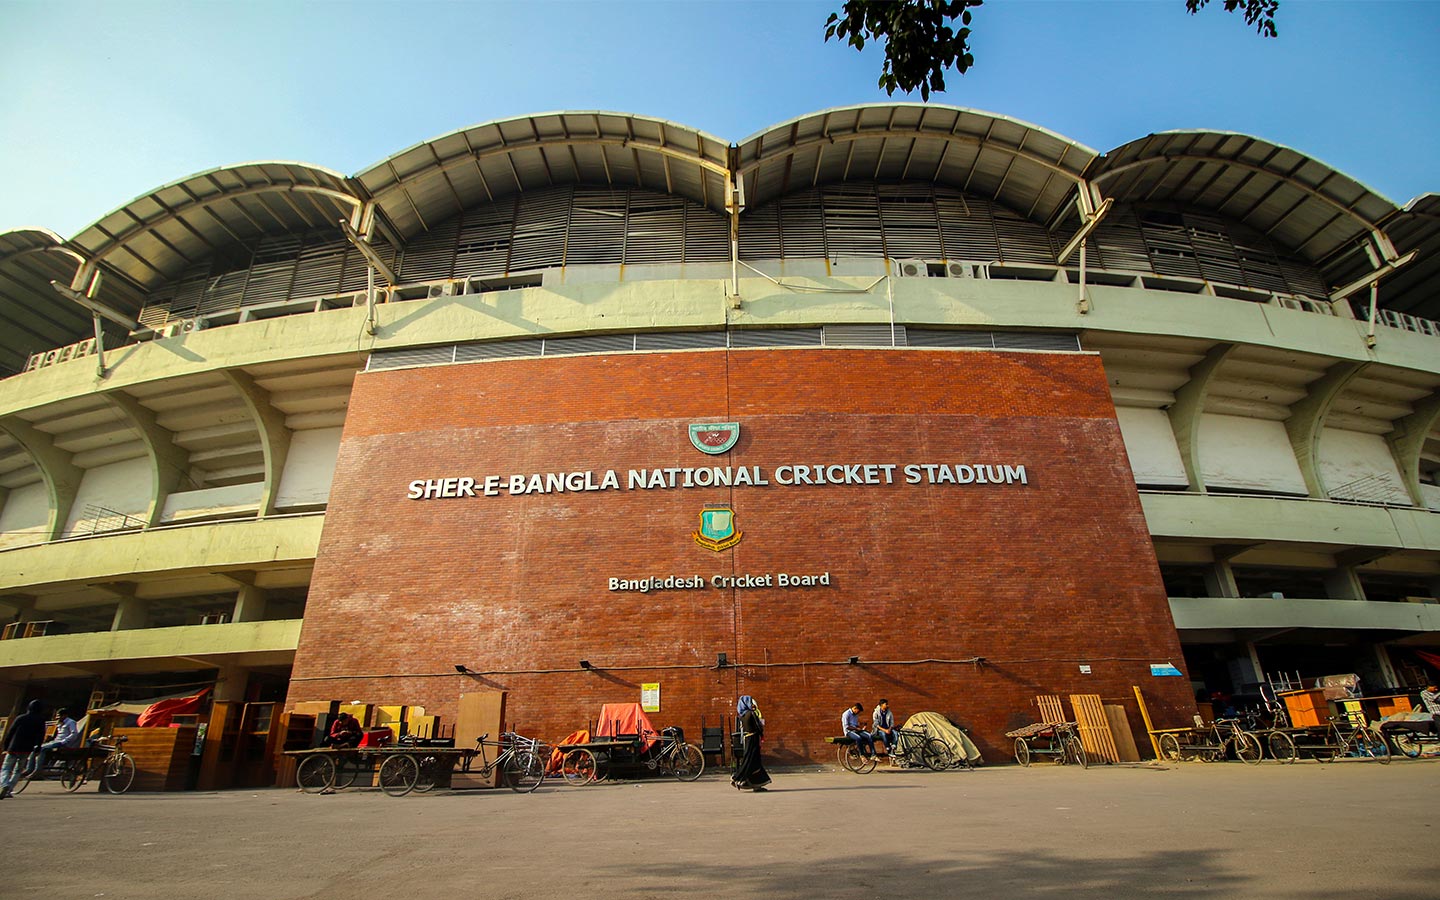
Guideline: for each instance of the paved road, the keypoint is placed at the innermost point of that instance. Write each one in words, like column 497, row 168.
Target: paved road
column 1347, row 830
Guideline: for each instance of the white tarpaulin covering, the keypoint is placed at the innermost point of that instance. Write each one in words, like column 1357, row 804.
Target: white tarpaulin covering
column 940, row 727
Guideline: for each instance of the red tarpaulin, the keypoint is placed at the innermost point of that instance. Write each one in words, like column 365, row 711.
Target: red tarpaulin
column 626, row 718
column 1430, row 658
column 158, row 715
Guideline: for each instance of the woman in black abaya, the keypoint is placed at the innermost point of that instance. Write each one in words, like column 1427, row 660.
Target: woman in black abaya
column 750, row 774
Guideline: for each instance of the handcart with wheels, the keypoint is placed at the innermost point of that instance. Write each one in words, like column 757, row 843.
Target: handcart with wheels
column 1210, row 742
column 403, row 768
column 1058, row 740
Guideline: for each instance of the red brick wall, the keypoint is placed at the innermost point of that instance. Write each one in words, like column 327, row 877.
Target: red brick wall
column 1036, row 578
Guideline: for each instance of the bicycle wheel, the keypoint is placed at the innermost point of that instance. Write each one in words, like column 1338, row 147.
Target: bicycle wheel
column 1022, row 751
column 688, row 762
column 347, row 771
column 1282, row 747
column 25, row 778
column 578, row 767
column 431, row 770
column 934, row 755
column 1405, row 744
column 398, row 774
column 73, row 775
column 1247, row 748
column 1372, row 745
column 858, row 762
column 315, row 774
column 1170, row 747
column 524, row 771
column 1075, row 750
column 118, row 774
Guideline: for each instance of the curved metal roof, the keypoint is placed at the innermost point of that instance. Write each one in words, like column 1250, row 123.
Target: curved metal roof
column 1413, row 289
column 155, row 236
column 1029, row 169
column 34, row 317
column 429, row 182
column 1300, row 202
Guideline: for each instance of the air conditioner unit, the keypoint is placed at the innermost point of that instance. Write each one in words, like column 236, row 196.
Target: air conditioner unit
column 51, row 357
column 190, row 325
column 960, row 270
column 1288, row 302
column 912, row 268
column 168, row 330
column 85, row 347
column 445, row 289
column 215, row 619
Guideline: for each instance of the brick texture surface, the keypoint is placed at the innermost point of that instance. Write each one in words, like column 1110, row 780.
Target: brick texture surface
column 1036, row 578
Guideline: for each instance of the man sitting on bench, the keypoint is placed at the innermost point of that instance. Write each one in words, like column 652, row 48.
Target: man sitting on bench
column 850, row 722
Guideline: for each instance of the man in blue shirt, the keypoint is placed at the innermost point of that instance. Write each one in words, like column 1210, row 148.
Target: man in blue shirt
column 850, row 721
column 67, row 735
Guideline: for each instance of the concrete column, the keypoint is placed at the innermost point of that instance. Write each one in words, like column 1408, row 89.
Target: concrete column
column 249, row 604
column 1220, row 580
column 131, row 613
column 1387, row 670
column 230, row 685
column 1343, row 583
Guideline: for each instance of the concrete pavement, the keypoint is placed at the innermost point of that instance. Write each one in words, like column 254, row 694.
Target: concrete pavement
column 1347, row 830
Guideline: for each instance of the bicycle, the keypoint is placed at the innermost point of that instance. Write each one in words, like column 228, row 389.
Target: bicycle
column 684, row 761
column 916, row 748
column 1212, row 742
column 106, row 763
column 520, row 761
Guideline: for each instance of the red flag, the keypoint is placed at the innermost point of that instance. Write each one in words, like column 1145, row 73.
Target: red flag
column 158, row 715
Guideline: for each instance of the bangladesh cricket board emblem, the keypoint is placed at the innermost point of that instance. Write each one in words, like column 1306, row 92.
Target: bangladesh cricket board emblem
column 717, row 529
column 714, row 437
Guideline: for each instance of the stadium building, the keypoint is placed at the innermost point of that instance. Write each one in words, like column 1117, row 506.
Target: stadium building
column 896, row 400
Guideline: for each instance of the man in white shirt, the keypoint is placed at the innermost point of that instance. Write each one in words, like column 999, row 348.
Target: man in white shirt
column 67, row 735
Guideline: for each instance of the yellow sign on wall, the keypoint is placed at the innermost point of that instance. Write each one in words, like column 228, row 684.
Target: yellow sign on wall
column 650, row 697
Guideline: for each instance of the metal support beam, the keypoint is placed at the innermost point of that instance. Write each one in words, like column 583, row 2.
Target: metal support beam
column 1307, row 421
column 367, row 251
column 1369, row 278
column 1091, row 221
column 274, row 436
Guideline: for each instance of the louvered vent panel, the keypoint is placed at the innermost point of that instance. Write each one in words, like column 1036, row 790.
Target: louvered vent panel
column 1302, row 279
column 777, row 337
column 966, row 228
column 707, row 235
column 483, row 244
column 430, row 256
column 917, row 337
column 223, row 293
column 910, row 223
column 654, row 229
column 1119, row 243
column 680, row 340
column 1021, row 240
column 540, row 225
column 802, row 231
column 597, row 228
column 273, row 270
column 499, row 350
column 356, row 267
column 1215, row 252
column 318, row 271
column 760, row 233
column 1030, row 340
column 594, row 343
column 863, row 335
column 852, row 221
column 413, row 356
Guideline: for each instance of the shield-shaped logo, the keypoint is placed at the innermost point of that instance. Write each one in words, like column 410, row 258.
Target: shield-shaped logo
column 714, row 437
column 717, row 528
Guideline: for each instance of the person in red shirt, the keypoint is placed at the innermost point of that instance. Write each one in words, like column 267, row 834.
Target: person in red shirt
column 344, row 732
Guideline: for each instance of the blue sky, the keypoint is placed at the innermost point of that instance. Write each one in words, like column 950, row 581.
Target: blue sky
column 101, row 102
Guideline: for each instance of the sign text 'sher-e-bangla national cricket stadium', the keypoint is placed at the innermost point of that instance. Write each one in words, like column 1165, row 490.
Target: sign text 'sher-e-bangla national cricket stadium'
column 679, row 477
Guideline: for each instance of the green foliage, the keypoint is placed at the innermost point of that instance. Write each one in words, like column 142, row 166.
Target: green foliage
column 1259, row 13
column 922, row 40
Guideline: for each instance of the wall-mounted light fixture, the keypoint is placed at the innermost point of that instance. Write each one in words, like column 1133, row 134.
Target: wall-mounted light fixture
column 854, row 660
column 585, row 664
column 463, row 670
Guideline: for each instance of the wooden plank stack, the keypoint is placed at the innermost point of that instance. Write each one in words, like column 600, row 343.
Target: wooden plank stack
column 1094, row 727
